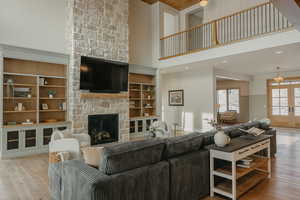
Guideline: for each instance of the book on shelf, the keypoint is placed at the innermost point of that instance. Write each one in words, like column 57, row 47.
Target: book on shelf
column 245, row 162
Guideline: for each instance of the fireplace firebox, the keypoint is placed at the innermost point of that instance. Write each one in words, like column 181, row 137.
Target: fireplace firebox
column 103, row 128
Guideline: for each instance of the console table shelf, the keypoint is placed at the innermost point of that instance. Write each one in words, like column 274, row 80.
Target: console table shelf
column 233, row 181
column 258, row 163
column 244, row 184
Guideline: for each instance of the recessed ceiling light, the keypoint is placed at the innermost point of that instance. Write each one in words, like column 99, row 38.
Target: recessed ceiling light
column 279, row 52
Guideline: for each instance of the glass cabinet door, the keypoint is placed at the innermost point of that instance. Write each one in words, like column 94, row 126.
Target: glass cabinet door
column 30, row 138
column 140, row 126
column 47, row 132
column 13, row 140
column 132, row 127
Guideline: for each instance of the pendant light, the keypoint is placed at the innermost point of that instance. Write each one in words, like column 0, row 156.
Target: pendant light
column 278, row 78
column 203, row 3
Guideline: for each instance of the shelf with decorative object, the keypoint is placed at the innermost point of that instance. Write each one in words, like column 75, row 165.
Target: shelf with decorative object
column 22, row 111
column 52, row 111
column 26, row 86
column 142, row 94
column 52, row 86
column 241, row 171
column 16, row 84
column 19, row 98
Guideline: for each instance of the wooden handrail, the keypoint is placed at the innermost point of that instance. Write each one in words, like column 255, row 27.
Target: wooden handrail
column 215, row 20
column 250, row 22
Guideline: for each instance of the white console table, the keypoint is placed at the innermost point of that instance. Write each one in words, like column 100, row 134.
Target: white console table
column 237, row 180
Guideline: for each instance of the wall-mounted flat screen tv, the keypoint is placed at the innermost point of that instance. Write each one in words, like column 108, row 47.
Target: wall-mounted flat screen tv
column 103, row 76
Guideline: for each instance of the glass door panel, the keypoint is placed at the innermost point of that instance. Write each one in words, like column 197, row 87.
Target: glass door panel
column 279, row 105
column 297, row 102
column 296, row 105
column 280, row 100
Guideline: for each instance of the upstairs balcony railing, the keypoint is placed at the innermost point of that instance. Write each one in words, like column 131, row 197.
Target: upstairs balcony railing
column 246, row 24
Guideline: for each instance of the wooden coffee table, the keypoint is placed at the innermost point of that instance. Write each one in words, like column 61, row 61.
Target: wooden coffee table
column 237, row 180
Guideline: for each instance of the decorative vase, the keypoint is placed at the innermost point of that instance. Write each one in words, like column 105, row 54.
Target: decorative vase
column 221, row 139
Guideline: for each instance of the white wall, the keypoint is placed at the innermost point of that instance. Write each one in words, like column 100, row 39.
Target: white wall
column 140, row 37
column 170, row 23
column 35, row 24
column 199, row 97
column 158, row 10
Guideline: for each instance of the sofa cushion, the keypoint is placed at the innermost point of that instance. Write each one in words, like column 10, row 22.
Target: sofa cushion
column 234, row 131
column 130, row 155
column 92, row 155
column 189, row 176
column 249, row 125
column 183, row 144
column 264, row 126
column 208, row 137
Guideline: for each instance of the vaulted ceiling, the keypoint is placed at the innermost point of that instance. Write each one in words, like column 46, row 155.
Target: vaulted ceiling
column 177, row 4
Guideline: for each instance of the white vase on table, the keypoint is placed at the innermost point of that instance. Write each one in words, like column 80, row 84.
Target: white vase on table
column 221, row 139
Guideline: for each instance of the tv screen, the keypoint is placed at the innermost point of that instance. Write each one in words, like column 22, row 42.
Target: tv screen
column 103, row 76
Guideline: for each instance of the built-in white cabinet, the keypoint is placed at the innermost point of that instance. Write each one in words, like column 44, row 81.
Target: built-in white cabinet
column 140, row 126
column 23, row 141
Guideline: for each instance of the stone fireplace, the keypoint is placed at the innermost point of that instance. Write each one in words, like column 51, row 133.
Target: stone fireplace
column 96, row 28
column 103, row 128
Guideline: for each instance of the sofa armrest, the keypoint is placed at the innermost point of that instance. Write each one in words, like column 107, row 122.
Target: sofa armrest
column 54, row 185
column 80, row 181
column 70, row 145
column 84, row 139
column 272, row 132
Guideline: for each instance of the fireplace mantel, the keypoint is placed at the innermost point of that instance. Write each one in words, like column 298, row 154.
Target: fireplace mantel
column 104, row 95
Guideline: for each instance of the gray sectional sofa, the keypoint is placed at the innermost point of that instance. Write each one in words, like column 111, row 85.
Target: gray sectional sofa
column 156, row 169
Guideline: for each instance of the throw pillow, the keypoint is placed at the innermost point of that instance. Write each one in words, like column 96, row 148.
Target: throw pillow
column 92, row 155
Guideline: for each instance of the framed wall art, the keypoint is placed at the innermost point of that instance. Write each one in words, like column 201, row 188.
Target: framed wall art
column 176, row 98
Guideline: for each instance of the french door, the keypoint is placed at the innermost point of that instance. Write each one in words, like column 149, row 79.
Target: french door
column 284, row 103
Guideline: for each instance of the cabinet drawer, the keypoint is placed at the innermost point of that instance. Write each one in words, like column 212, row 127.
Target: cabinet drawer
column 247, row 151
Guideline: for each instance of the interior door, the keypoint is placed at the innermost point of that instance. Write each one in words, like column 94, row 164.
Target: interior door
column 280, row 101
column 295, row 107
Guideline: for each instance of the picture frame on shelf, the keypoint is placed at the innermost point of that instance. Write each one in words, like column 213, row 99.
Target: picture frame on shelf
column 176, row 98
column 45, row 106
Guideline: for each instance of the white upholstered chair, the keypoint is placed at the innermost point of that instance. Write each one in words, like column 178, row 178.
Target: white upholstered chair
column 65, row 142
column 160, row 129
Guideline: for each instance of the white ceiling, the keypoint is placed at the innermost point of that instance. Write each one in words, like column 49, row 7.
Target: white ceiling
column 253, row 63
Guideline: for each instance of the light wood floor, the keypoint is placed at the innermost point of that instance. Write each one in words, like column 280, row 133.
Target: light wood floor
column 26, row 178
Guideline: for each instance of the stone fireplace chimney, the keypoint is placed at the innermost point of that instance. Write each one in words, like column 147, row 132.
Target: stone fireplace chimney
column 96, row 28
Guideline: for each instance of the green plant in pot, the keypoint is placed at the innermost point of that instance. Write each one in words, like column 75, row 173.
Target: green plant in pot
column 51, row 93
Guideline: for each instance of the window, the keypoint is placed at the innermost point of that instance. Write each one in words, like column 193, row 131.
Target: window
column 229, row 100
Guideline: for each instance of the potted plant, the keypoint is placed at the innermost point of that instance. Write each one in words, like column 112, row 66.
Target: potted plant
column 51, row 93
